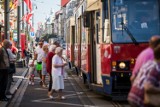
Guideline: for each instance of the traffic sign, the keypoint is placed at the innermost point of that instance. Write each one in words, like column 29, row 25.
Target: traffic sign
column 32, row 34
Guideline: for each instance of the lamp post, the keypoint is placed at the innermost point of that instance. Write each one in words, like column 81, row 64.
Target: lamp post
column 23, row 15
column 18, row 28
column 6, row 18
column 19, row 62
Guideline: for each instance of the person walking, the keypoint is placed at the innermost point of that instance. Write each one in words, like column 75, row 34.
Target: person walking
column 26, row 55
column 49, row 67
column 149, row 74
column 44, row 69
column 38, row 54
column 145, row 56
column 57, row 72
column 12, row 70
column 4, row 66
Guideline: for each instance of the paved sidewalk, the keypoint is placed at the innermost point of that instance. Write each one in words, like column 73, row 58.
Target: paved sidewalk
column 18, row 78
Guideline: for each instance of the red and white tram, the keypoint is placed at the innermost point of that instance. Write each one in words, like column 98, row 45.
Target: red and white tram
column 109, row 34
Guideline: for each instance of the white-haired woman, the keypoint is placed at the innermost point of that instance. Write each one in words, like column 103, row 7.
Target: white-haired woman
column 44, row 68
column 57, row 72
column 49, row 67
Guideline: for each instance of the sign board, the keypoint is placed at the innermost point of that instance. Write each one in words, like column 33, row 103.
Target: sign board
column 15, row 35
column 32, row 34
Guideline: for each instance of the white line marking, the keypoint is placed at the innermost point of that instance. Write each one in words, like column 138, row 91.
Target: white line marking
column 58, row 103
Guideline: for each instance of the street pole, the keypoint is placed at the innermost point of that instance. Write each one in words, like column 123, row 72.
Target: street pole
column 18, row 29
column 27, row 26
column 23, row 15
column 19, row 62
column 6, row 18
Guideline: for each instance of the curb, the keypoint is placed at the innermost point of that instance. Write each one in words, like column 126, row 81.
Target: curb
column 16, row 86
column 14, row 89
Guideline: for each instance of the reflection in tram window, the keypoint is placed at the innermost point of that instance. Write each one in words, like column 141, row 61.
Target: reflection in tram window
column 136, row 20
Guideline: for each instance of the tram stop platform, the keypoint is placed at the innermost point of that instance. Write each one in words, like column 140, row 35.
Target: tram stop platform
column 17, row 79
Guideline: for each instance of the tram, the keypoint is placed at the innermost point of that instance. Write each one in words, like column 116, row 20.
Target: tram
column 108, row 36
column 70, row 26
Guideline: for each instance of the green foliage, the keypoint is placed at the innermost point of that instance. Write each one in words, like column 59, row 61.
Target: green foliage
column 46, row 37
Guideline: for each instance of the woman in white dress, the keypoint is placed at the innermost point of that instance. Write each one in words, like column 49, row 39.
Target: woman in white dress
column 57, row 72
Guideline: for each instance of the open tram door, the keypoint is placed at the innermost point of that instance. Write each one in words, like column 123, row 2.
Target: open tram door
column 93, row 12
column 72, row 39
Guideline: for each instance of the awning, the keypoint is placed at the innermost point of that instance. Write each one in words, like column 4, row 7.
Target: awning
column 92, row 5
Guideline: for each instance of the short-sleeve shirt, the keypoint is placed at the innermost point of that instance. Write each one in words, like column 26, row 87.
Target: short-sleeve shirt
column 11, row 55
column 49, row 61
column 57, row 71
column 39, row 51
column 44, row 63
column 143, row 57
column 150, row 72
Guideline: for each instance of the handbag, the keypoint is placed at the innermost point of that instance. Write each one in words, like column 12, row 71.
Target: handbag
column 12, row 68
column 151, row 97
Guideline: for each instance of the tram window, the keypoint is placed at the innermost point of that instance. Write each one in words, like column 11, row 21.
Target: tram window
column 118, row 2
column 86, row 20
column 106, row 37
column 98, row 27
column 134, row 18
column 106, row 25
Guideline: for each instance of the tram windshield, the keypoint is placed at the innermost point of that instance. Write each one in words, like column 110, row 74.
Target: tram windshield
column 134, row 21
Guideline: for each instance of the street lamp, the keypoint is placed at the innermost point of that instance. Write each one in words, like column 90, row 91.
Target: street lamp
column 18, row 28
column 6, row 18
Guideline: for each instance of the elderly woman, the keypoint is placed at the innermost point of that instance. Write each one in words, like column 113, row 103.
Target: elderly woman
column 50, row 55
column 57, row 72
column 44, row 69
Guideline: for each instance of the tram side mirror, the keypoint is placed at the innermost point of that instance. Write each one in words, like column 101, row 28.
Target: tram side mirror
column 86, row 20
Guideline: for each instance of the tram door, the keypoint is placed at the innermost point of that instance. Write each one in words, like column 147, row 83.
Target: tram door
column 93, row 48
column 72, row 43
column 79, row 41
column 97, row 36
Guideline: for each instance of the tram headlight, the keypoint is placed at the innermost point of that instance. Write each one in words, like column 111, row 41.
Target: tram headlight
column 122, row 65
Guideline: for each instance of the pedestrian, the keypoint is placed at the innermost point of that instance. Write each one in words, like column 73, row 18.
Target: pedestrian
column 65, row 60
column 49, row 67
column 44, row 69
column 14, row 50
column 145, row 56
column 56, row 43
column 4, row 66
column 57, row 72
column 38, row 54
column 149, row 74
column 31, row 73
column 26, row 55
column 12, row 70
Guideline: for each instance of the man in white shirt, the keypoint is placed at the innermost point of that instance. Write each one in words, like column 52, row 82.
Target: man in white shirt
column 38, row 55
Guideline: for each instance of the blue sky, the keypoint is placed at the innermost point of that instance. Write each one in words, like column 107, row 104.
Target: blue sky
column 43, row 9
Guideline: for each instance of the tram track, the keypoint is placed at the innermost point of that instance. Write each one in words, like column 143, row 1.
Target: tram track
column 81, row 93
column 120, row 104
column 75, row 83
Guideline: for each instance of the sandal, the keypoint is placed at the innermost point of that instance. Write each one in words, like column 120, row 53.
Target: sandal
column 50, row 96
column 63, row 98
column 44, row 86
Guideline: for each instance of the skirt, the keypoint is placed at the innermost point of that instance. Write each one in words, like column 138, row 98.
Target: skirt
column 58, row 82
